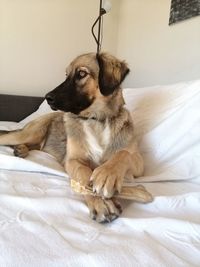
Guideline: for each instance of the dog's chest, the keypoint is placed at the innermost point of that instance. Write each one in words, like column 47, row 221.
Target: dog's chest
column 97, row 140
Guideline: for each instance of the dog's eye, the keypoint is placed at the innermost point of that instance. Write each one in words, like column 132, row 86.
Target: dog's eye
column 81, row 74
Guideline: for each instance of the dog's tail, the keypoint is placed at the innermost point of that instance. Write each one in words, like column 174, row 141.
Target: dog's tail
column 32, row 134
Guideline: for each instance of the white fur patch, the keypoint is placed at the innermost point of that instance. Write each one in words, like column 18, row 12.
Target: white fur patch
column 106, row 134
column 96, row 149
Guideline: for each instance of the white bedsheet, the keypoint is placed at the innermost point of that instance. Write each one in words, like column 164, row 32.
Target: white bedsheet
column 43, row 223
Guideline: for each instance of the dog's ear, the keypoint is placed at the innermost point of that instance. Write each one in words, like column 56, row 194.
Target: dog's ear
column 112, row 72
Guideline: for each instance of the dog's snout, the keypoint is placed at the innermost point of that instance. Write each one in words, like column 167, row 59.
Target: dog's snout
column 50, row 98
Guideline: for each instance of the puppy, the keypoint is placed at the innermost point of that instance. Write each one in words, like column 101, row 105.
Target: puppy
column 92, row 134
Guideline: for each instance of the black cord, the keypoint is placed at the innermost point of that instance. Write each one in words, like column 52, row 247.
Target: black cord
column 92, row 30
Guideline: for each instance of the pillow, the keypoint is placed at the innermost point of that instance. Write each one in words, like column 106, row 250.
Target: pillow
column 167, row 127
column 9, row 126
column 150, row 106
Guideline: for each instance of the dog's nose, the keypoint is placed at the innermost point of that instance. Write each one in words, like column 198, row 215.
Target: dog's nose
column 50, row 99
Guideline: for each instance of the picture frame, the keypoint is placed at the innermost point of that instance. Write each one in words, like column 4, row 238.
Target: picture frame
column 183, row 9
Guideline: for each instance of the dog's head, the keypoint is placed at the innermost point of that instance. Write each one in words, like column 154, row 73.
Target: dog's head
column 89, row 78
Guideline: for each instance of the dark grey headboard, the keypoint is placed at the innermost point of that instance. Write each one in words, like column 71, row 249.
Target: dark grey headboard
column 16, row 108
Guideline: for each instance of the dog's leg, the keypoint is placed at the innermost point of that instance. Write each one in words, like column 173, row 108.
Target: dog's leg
column 15, row 138
column 103, row 210
column 108, row 178
column 77, row 165
column 32, row 134
column 79, row 171
column 21, row 151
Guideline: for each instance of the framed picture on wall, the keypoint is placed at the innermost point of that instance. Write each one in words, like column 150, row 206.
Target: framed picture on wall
column 183, row 9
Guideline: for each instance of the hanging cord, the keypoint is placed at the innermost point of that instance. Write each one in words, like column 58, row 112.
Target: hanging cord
column 93, row 30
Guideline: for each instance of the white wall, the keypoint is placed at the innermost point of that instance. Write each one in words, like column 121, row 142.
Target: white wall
column 157, row 53
column 38, row 38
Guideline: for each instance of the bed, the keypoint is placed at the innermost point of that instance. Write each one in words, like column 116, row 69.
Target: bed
column 44, row 223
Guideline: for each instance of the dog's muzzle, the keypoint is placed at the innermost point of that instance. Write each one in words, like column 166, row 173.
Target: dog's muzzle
column 51, row 100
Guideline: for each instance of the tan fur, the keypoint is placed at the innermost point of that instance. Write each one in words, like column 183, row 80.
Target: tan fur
column 96, row 146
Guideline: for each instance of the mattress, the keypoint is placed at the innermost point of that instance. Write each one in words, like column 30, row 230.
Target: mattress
column 44, row 223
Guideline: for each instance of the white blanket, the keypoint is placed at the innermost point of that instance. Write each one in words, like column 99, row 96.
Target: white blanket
column 43, row 223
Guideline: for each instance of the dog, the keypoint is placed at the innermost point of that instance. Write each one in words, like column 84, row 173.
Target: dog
column 91, row 133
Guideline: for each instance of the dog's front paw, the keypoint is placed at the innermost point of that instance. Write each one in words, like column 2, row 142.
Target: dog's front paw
column 21, row 151
column 107, row 180
column 103, row 210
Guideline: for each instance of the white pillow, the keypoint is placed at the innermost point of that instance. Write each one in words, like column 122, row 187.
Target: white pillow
column 150, row 106
column 167, row 126
column 9, row 125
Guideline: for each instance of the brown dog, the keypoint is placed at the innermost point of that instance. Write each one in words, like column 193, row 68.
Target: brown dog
column 92, row 135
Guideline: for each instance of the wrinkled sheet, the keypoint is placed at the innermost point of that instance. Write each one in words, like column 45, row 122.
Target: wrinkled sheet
column 44, row 223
